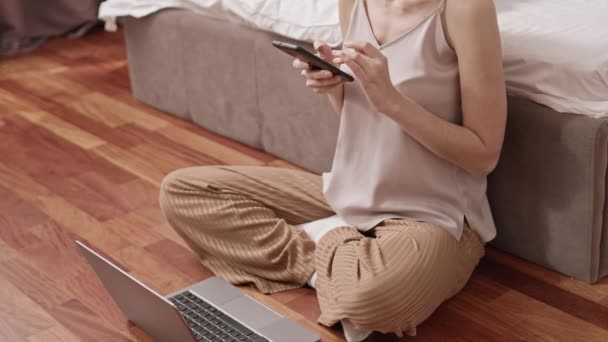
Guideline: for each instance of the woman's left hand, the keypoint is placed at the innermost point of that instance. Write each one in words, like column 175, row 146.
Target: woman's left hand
column 370, row 68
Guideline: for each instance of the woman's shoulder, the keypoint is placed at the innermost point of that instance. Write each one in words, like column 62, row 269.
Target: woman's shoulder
column 345, row 8
column 461, row 18
column 470, row 9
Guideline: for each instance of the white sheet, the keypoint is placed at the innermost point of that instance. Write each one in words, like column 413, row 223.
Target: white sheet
column 555, row 52
column 303, row 20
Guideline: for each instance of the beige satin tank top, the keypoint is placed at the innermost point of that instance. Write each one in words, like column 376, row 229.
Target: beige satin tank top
column 381, row 172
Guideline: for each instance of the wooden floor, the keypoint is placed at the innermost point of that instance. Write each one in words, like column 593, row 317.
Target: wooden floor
column 81, row 159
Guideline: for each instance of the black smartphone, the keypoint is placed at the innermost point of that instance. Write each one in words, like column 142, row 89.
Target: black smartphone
column 313, row 60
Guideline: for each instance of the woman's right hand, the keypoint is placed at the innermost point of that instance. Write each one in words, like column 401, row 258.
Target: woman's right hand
column 320, row 81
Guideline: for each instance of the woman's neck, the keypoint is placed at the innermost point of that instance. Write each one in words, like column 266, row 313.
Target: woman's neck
column 403, row 6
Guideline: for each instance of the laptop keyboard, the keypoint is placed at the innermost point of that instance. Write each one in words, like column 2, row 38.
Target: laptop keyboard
column 210, row 324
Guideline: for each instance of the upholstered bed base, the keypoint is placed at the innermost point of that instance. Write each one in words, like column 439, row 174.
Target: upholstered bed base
column 547, row 193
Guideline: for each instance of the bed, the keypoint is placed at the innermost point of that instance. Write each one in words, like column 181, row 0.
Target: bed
column 548, row 190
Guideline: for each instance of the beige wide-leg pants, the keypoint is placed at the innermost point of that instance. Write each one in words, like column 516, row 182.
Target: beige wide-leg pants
column 240, row 220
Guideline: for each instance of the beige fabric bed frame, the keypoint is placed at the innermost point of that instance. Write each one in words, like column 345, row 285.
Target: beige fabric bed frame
column 547, row 193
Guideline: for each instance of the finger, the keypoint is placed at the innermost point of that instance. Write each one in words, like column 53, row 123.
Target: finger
column 298, row 64
column 336, row 59
column 354, row 66
column 364, row 47
column 317, row 74
column 322, row 90
column 323, row 49
column 362, row 60
column 324, row 82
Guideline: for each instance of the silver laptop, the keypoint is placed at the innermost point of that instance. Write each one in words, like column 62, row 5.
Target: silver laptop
column 210, row 310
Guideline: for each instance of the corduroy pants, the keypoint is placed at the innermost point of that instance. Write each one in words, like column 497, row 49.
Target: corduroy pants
column 240, row 221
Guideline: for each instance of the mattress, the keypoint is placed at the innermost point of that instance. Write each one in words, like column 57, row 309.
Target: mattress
column 302, row 20
column 554, row 51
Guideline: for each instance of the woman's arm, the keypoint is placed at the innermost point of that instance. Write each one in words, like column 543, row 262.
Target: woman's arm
column 323, row 82
column 472, row 30
column 336, row 96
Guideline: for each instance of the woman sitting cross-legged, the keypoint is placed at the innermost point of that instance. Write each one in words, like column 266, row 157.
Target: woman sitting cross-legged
column 399, row 224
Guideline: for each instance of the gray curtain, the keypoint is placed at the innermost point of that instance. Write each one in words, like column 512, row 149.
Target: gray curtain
column 25, row 24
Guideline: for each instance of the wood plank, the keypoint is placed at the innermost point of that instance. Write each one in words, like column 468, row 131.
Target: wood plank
column 153, row 142
column 549, row 294
column 40, row 288
column 181, row 258
column 131, row 162
column 20, row 313
column 80, row 223
column 51, row 263
column 476, row 303
column 61, row 211
column 56, row 237
column 8, row 332
column 534, row 320
column 17, row 213
column 100, row 197
column 84, row 323
column 116, row 78
column 133, row 230
column 50, row 84
column 168, row 160
column 21, row 184
column 14, row 96
column 152, row 271
column 597, row 293
column 90, row 106
column 27, row 63
column 6, row 252
column 454, row 320
column 57, row 333
column 43, row 153
column 57, row 107
column 209, row 147
column 447, row 324
column 140, row 194
column 235, row 145
column 120, row 136
column 90, row 292
column 16, row 238
column 63, row 129
column 114, row 113
column 98, row 81
column 12, row 103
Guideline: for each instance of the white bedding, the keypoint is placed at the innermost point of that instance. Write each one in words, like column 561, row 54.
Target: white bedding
column 304, row 20
column 555, row 52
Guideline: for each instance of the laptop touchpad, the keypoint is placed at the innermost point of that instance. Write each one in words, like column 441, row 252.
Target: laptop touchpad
column 251, row 312
column 217, row 291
